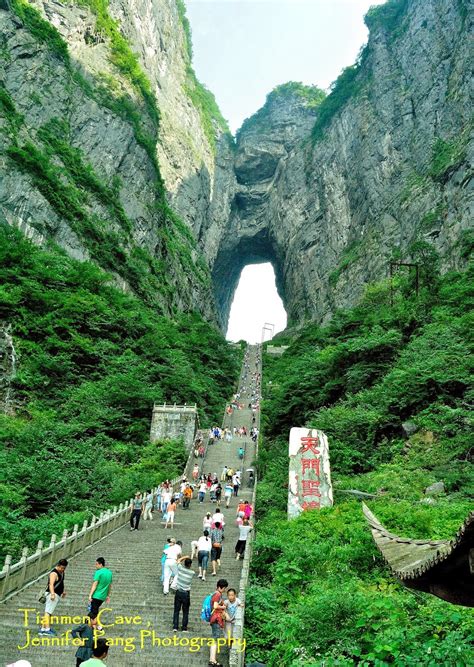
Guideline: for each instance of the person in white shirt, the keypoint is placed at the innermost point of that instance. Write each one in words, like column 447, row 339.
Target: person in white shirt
column 207, row 522
column 228, row 491
column 165, row 500
column 244, row 531
column 218, row 516
column 202, row 491
column 204, row 546
column 172, row 554
column 148, row 507
column 236, row 483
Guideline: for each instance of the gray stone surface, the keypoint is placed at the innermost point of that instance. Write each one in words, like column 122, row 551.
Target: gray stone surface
column 435, row 489
column 410, row 428
column 174, row 422
column 329, row 216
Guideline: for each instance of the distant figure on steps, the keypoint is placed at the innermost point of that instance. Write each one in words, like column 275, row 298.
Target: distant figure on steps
column 136, row 507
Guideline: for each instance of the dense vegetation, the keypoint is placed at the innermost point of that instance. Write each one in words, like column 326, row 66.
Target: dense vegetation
column 311, row 95
column 91, row 362
column 89, row 201
column 321, row 594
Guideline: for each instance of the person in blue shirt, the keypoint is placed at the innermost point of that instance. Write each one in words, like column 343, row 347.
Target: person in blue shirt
column 163, row 558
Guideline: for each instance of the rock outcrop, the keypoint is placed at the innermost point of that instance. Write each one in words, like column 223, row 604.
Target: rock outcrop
column 88, row 132
column 391, row 168
column 93, row 138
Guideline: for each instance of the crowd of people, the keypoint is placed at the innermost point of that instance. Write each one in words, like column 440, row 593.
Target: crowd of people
column 177, row 571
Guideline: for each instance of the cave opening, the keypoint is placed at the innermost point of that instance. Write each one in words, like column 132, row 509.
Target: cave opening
column 256, row 303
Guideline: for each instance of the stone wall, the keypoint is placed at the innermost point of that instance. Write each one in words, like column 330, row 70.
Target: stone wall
column 171, row 422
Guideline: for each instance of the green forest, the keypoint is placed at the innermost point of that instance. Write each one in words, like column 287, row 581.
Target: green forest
column 91, row 361
column 321, row 593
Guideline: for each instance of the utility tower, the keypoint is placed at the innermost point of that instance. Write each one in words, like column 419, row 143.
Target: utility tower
column 270, row 328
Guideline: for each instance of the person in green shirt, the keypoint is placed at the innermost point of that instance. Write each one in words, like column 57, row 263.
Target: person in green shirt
column 100, row 590
column 99, row 654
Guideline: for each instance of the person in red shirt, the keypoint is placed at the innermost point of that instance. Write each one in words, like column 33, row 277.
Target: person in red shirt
column 217, row 619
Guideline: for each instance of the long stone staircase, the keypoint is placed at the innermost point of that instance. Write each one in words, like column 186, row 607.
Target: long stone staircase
column 140, row 616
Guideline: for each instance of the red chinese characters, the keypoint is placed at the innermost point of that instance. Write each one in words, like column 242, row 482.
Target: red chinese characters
column 311, row 464
column 311, row 487
column 312, row 505
column 309, row 443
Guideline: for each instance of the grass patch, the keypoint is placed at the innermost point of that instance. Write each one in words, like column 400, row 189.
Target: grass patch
column 122, row 56
column 358, row 379
column 40, row 29
column 447, row 156
column 348, row 84
column 350, row 255
column 388, row 16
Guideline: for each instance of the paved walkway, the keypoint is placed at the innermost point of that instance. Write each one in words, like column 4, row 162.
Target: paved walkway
column 142, row 632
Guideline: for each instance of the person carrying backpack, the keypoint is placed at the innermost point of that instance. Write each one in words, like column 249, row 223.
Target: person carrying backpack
column 217, row 620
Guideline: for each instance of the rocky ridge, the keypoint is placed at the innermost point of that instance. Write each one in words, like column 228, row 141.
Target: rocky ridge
column 328, row 197
column 388, row 177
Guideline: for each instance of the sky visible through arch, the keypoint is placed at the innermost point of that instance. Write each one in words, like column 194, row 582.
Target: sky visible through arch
column 242, row 50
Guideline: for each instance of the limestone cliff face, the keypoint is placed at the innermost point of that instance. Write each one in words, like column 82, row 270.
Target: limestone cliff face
column 96, row 144
column 86, row 98
column 393, row 166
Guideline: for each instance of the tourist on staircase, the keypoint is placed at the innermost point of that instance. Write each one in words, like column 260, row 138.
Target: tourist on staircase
column 228, row 491
column 182, row 586
column 216, row 550
column 136, row 507
column 148, row 507
column 55, row 591
column 99, row 654
column 218, row 493
column 236, row 483
column 163, row 557
column 172, row 554
column 244, row 531
column 100, row 590
column 204, row 546
column 170, row 512
column 188, row 494
column 231, row 605
column 85, row 633
column 165, row 499
column 217, row 620
column 202, row 490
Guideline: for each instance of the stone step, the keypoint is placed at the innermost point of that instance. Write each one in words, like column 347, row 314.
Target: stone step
column 135, row 561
